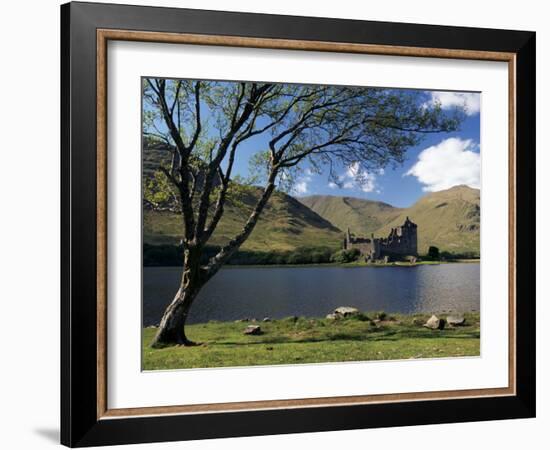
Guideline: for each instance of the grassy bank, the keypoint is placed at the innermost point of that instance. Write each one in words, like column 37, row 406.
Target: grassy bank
column 357, row 264
column 167, row 255
column 408, row 264
column 304, row 340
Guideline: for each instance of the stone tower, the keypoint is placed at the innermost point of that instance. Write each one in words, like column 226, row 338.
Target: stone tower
column 409, row 237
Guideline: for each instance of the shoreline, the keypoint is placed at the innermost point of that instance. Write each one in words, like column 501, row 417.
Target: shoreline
column 355, row 264
column 256, row 321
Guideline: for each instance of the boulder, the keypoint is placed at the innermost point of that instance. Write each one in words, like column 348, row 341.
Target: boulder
column 435, row 323
column 266, row 319
column 346, row 311
column 253, row 329
column 456, row 320
column 332, row 316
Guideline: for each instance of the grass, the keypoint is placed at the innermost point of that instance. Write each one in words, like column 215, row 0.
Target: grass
column 356, row 264
column 304, row 340
column 284, row 225
column 405, row 263
column 362, row 216
column 394, row 263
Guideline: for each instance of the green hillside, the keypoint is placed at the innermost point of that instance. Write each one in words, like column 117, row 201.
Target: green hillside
column 361, row 216
column 284, row 225
column 447, row 219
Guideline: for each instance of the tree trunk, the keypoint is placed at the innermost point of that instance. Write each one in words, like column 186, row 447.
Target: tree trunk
column 172, row 325
column 171, row 329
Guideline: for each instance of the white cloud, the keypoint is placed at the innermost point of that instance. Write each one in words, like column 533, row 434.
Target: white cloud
column 369, row 183
column 358, row 179
column 451, row 162
column 354, row 177
column 470, row 101
column 301, row 187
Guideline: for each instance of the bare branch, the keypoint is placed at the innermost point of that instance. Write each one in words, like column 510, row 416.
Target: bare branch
column 228, row 250
column 220, row 202
column 183, row 185
column 237, row 107
column 198, row 125
column 176, row 98
column 204, row 203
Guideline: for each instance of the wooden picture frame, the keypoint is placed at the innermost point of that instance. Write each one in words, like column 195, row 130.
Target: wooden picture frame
column 86, row 418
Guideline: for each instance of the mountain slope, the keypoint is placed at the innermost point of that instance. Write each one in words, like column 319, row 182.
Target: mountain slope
column 361, row 216
column 449, row 220
column 285, row 224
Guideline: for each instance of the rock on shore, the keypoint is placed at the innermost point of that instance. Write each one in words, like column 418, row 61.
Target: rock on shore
column 435, row 323
column 345, row 311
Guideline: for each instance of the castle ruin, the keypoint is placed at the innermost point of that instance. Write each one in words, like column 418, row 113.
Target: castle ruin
column 401, row 242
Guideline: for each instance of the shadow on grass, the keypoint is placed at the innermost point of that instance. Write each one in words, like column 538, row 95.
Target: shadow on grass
column 398, row 335
column 374, row 335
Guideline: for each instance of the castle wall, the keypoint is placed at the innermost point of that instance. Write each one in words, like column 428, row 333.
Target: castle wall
column 367, row 249
column 402, row 241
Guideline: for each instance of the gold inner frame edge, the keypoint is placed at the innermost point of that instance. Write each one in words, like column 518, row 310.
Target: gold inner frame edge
column 104, row 35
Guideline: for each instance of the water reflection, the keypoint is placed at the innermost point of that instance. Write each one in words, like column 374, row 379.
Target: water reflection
column 315, row 291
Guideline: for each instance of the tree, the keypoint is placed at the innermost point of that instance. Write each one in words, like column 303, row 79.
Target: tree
column 346, row 256
column 433, row 253
column 204, row 123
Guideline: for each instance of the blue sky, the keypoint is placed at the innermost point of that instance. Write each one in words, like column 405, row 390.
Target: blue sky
column 441, row 161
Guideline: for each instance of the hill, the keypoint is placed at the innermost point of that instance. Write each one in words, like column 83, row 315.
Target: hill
column 361, row 216
column 284, row 225
column 449, row 219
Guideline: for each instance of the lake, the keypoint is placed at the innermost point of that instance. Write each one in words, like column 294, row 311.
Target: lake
column 314, row 291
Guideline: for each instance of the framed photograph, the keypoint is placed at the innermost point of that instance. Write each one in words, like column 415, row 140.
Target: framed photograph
column 276, row 224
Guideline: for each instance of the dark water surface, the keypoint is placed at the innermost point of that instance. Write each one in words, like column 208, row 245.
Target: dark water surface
column 276, row 292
